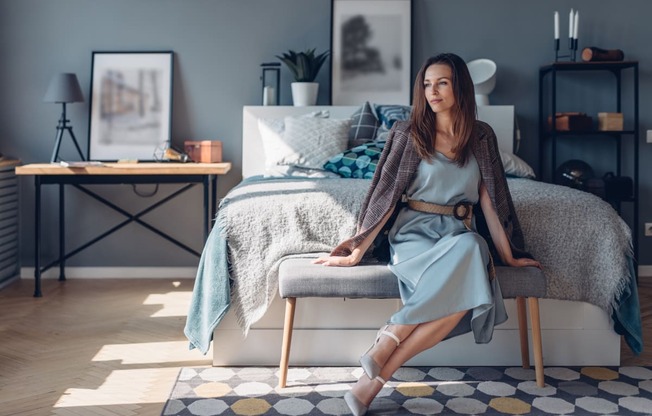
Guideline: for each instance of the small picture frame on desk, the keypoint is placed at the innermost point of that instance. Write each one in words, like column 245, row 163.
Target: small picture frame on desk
column 131, row 105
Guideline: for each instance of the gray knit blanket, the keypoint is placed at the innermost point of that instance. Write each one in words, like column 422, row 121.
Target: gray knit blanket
column 579, row 239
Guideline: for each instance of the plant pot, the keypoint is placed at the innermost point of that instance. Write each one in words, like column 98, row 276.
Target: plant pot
column 304, row 93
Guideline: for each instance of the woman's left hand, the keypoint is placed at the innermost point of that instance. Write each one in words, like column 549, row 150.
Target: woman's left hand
column 523, row 262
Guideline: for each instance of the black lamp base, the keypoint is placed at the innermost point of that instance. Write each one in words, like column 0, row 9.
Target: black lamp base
column 61, row 127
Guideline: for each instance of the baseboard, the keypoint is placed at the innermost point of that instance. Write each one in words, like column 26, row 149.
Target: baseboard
column 115, row 273
column 645, row 271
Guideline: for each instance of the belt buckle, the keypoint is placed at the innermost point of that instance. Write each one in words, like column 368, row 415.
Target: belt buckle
column 467, row 209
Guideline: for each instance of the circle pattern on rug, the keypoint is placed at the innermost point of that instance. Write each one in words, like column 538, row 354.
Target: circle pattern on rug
column 414, row 391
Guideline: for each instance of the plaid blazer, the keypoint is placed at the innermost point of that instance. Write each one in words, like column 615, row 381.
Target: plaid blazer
column 396, row 168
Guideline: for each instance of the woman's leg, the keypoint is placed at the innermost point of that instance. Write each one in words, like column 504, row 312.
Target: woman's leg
column 420, row 338
column 386, row 345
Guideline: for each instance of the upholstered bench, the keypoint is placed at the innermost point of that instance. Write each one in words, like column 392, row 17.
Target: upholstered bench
column 300, row 278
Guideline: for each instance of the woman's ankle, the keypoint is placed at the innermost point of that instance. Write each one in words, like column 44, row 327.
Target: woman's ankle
column 366, row 389
column 385, row 346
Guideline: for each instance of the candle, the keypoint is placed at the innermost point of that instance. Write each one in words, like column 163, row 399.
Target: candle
column 570, row 24
column 556, row 25
column 268, row 96
column 576, row 23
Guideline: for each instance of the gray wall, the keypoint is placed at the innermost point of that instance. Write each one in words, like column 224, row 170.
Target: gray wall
column 219, row 45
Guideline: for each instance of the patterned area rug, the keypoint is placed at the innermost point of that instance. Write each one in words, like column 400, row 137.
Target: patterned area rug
column 415, row 390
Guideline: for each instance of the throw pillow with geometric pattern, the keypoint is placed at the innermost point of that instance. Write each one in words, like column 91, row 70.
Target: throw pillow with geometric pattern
column 309, row 142
column 358, row 162
column 388, row 115
column 364, row 125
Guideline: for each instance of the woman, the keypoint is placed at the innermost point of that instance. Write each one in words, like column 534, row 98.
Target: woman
column 442, row 161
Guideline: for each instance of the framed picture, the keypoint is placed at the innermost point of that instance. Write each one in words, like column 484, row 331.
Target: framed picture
column 371, row 44
column 131, row 104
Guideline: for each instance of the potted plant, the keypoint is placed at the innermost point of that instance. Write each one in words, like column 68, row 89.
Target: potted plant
column 304, row 67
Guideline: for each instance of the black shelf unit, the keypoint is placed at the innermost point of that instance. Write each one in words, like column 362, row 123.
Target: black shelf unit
column 620, row 137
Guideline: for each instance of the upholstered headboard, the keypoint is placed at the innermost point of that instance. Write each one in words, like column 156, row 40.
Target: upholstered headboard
column 499, row 117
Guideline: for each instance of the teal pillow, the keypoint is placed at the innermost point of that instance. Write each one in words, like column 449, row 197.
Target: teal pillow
column 388, row 115
column 358, row 162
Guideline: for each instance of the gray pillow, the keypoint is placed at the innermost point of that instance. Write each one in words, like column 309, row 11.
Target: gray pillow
column 364, row 126
column 515, row 166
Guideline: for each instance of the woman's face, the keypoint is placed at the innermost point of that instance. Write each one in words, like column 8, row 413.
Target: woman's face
column 438, row 86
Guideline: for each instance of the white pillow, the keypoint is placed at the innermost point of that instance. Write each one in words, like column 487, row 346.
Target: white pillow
column 304, row 142
column 515, row 166
column 312, row 141
column 271, row 132
column 268, row 126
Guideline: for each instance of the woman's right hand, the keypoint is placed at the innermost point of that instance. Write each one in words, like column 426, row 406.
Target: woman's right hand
column 338, row 261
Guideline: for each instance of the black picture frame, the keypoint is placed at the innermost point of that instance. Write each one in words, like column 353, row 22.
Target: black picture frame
column 130, row 111
column 375, row 63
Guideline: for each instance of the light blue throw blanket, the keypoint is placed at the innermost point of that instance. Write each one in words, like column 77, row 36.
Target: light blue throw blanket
column 561, row 226
column 211, row 296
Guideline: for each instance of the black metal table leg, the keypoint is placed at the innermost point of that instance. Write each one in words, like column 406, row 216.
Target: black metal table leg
column 62, row 234
column 37, row 237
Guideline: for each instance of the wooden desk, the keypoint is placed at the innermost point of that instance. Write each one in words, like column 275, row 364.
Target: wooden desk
column 118, row 173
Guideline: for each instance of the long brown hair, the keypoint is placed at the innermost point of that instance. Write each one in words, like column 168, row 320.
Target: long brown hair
column 423, row 119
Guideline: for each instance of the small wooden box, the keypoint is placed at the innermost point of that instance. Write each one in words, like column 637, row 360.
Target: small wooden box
column 203, row 151
column 571, row 122
column 610, row 121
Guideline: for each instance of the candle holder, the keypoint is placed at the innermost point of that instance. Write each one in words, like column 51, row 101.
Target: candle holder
column 271, row 83
column 572, row 50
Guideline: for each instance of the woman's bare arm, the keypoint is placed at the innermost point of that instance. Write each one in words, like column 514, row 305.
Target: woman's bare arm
column 498, row 235
column 358, row 252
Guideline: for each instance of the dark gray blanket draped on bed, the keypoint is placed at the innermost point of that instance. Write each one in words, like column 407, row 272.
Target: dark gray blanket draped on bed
column 581, row 242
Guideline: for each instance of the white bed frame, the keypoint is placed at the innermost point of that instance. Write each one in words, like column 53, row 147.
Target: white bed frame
column 337, row 331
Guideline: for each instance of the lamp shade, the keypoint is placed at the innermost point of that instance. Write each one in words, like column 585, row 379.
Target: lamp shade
column 483, row 74
column 64, row 88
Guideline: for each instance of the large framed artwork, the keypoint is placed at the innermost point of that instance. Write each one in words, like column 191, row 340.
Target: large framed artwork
column 131, row 105
column 371, row 44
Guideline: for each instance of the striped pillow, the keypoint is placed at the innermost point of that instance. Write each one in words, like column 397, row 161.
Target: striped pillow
column 388, row 115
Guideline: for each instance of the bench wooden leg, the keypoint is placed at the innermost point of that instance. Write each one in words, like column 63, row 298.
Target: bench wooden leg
column 536, row 340
column 290, row 303
column 522, row 331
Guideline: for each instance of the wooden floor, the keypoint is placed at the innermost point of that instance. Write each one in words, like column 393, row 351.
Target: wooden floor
column 114, row 347
column 93, row 346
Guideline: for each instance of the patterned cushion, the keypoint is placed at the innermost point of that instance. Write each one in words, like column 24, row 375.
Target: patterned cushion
column 272, row 131
column 305, row 142
column 364, row 125
column 358, row 162
column 388, row 114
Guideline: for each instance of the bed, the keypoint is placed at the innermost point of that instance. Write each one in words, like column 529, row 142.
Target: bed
column 583, row 245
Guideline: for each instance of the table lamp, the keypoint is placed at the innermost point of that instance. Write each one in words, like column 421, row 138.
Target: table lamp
column 64, row 88
column 483, row 75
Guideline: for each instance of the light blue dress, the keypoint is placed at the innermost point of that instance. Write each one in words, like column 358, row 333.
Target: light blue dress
column 441, row 266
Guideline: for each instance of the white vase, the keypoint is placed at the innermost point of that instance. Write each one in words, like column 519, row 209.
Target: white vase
column 304, row 93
